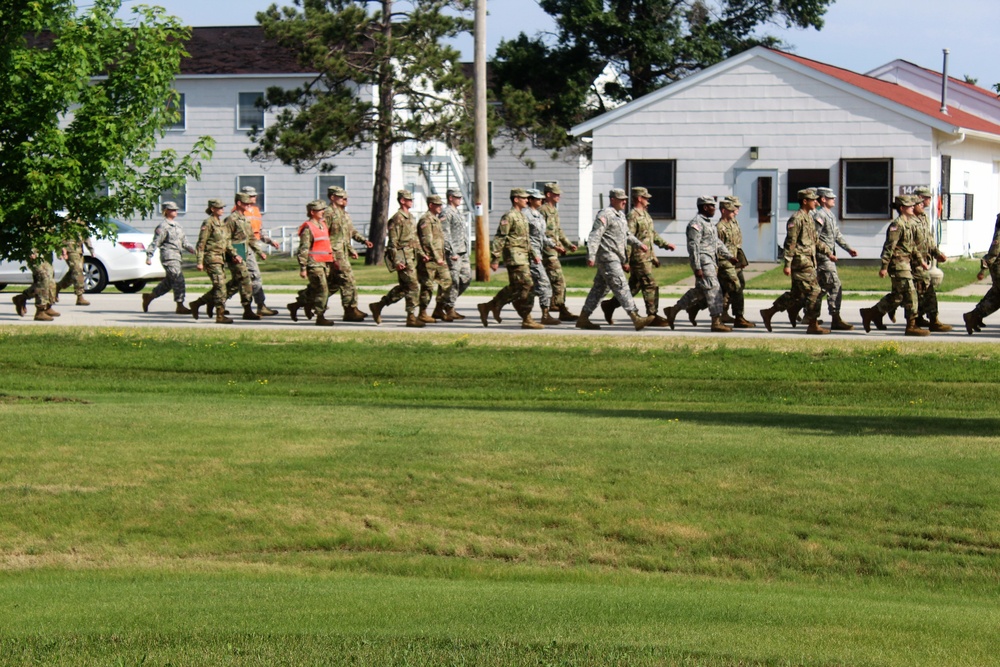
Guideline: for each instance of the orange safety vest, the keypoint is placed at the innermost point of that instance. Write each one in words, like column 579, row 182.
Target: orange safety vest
column 321, row 251
column 252, row 214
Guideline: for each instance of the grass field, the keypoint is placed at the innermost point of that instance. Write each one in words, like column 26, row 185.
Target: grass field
column 331, row 498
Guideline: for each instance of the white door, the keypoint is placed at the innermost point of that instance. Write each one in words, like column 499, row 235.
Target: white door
column 758, row 192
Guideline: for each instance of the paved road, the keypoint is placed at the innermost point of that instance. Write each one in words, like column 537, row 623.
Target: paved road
column 114, row 309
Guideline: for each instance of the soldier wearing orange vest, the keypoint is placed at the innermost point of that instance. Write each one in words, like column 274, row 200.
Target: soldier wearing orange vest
column 314, row 255
column 252, row 214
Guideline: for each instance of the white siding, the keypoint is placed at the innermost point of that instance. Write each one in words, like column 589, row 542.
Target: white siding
column 974, row 167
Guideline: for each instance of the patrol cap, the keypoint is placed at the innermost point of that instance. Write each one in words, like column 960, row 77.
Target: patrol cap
column 214, row 204
column 553, row 188
column 243, row 197
column 535, row 194
column 826, row 193
column 316, row 205
column 808, row 193
column 518, row 192
column 733, row 198
column 617, row 193
column 435, row 199
column 170, row 206
column 249, row 190
column 923, row 191
column 728, row 205
column 641, row 192
column 404, row 194
column 454, row 192
column 336, row 191
column 706, row 201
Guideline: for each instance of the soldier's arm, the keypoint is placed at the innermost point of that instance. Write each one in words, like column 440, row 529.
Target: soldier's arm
column 596, row 234
column 889, row 247
column 202, row 240
column 994, row 251
column 693, row 234
column 496, row 247
column 305, row 245
column 841, row 241
column 791, row 237
column 157, row 242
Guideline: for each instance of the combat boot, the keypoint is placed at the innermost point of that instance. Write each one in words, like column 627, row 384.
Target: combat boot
column 793, row 316
column 913, row 330
column 80, row 301
column 838, row 324
column 670, row 314
column 548, row 320
column 692, row 316
column 484, row 312
column 352, row 314
column 528, row 322
column 293, row 311
column 438, row 313
column 307, row 310
column 718, row 326
column 446, row 315
column 937, row 326
column 740, row 322
column 496, row 308
column 52, row 312
column 146, row 300
column 220, row 316
column 376, row 309
column 892, row 315
column 453, row 315
column 196, row 304
column 815, row 328
column 182, row 309
column 727, row 319
column 20, row 305
column 972, row 321
column 248, row 313
column 321, row 320
column 583, row 322
column 920, row 321
column 264, row 311
column 658, row 321
column 608, row 308
column 871, row 316
column 766, row 315
column 425, row 318
column 638, row 321
column 41, row 315
column 565, row 315
column 413, row 321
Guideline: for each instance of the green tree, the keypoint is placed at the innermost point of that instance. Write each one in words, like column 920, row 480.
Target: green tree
column 647, row 43
column 418, row 89
column 85, row 98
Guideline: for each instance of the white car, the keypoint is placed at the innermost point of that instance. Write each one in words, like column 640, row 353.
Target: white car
column 121, row 262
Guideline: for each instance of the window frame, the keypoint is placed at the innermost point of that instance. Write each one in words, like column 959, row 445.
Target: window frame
column 321, row 188
column 179, row 197
column 261, row 191
column 656, row 191
column 256, row 109
column 846, row 190
column 181, row 125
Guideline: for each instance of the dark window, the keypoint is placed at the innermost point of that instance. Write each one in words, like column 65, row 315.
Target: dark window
column 764, row 208
column 866, row 188
column 177, row 195
column 540, row 185
column 800, row 179
column 327, row 181
column 957, row 206
column 178, row 106
column 250, row 115
column 660, row 178
column 255, row 182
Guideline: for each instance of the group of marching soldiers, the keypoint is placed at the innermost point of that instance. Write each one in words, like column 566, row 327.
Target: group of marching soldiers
column 44, row 288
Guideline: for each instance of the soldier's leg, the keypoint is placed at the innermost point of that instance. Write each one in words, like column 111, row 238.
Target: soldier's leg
column 424, row 277
column 348, row 286
column 614, row 278
column 597, row 292
column 556, row 278
column 829, row 283
column 442, row 278
column 217, row 295
column 522, row 284
column 542, row 288
column 410, row 284
column 256, row 280
column 319, row 292
column 643, row 279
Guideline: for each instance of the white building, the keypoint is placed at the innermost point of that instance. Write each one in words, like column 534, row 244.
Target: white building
column 764, row 124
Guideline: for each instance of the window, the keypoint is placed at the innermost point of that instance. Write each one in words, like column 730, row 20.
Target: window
column 179, row 106
column 177, row 195
column 957, row 206
column 800, row 179
column 540, row 185
column 326, row 181
column 255, row 182
column 867, row 188
column 250, row 115
column 660, row 178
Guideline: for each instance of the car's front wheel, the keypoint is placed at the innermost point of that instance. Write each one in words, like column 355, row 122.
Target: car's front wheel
column 130, row 286
column 95, row 276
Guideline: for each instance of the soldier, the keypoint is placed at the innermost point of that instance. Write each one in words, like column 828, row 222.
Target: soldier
column 512, row 243
column 704, row 251
column 457, row 232
column 401, row 257
column 170, row 239
column 826, row 270
column 315, row 257
column 213, row 250
column 42, row 288
column 607, row 248
column 432, row 266
column 342, row 232
column 802, row 244
column 253, row 216
column 927, row 248
column 731, row 281
column 991, row 300
column 642, row 262
column 550, row 257
column 74, row 272
column 245, row 244
column 898, row 253
column 540, row 242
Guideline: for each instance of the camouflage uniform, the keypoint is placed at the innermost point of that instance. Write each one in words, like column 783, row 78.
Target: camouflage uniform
column 74, row 262
column 704, row 250
column 317, row 295
column 253, row 217
column 43, row 281
column 241, row 232
column 512, row 244
column 642, row 262
column 170, row 239
column 731, row 275
column 455, row 230
column 898, row 253
column 341, row 277
column 927, row 248
column 607, row 248
column 540, row 242
column 802, row 243
column 214, row 249
column 434, row 270
column 990, row 302
column 550, row 256
column 402, row 249
column 826, row 269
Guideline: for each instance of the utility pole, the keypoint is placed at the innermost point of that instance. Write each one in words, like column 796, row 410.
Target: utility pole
column 482, row 177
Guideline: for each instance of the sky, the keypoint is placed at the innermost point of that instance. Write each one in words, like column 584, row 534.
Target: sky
column 858, row 35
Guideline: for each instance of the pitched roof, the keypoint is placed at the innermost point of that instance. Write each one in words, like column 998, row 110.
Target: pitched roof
column 237, row 50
